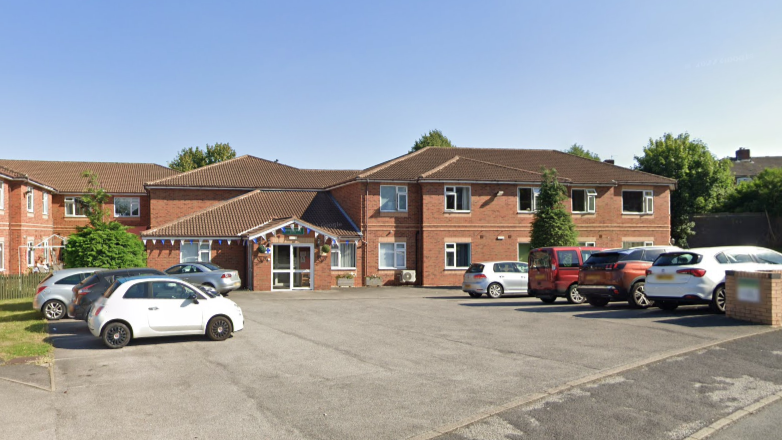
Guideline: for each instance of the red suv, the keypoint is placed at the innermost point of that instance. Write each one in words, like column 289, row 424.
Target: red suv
column 553, row 272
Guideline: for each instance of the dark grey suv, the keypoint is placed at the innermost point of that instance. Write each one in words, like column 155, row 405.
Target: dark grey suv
column 92, row 288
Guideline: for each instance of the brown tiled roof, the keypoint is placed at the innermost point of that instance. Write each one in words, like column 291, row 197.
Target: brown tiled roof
column 754, row 166
column 577, row 170
column 461, row 168
column 252, row 172
column 66, row 177
column 258, row 208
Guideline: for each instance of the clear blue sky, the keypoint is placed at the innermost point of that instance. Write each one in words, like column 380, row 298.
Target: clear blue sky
column 350, row 84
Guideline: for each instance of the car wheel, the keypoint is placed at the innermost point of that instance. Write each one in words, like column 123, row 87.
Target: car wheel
column 54, row 310
column 116, row 335
column 598, row 302
column 638, row 299
column 219, row 328
column 548, row 299
column 667, row 305
column 475, row 295
column 573, row 297
column 717, row 304
column 495, row 290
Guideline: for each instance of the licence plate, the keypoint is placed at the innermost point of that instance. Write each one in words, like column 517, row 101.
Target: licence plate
column 468, row 286
column 540, row 277
column 664, row 277
column 593, row 277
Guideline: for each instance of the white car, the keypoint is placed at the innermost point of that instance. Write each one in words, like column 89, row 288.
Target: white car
column 495, row 278
column 697, row 276
column 149, row 306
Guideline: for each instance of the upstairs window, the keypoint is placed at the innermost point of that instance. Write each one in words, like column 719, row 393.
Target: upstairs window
column 528, row 199
column 30, row 199
column 583, row 200
column 2, row 194
column 45, row 200
column 393, row 198
column 74, row 207
column 126, row 207
column 637, row 202
column 457, row 198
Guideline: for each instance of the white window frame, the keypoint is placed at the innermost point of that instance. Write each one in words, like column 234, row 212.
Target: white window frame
column 30, row 199
column 399, row 247
column 450, row 191
column 587, row 244
column 647, row 200
column 2, row 256
column 535, row 194
column 72, row 201
column 590, row 200
column 648, row 243
column 451, row 248
column 45, row 201
column 203, row 247
column 2, row 194
column 401, row 194
column 132, row 201
column 337, row 250
column 30, row 253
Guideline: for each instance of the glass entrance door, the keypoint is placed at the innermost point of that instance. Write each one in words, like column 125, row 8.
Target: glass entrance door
column 292, row 266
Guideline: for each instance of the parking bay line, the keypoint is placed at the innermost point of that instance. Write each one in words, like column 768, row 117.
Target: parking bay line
column 530, row 398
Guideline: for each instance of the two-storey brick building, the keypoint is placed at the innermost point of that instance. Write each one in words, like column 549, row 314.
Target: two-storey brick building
column 433, row 211
column 40, row 204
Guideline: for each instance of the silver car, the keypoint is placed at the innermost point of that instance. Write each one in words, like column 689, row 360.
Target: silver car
column 207, row 274
column 495, row 278
column 55, row 292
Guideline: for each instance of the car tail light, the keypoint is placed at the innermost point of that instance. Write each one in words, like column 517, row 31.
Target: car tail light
column 694, row 272
column 40, row 289
column 85, row 290
column 226, row 275
column 615, row 266
column 98, row 310
column 479, row 276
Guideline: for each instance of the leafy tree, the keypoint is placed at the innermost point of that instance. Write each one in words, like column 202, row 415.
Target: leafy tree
column 762, row 194
column 434, row 138
column 579, row 150
column 102, row 244
column 194, row 157
column 553, row 224
column 703, row 180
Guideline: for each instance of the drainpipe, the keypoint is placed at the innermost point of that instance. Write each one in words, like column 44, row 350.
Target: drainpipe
column 365, row 227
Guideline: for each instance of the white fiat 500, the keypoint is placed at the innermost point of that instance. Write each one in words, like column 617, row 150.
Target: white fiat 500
column 149, row 306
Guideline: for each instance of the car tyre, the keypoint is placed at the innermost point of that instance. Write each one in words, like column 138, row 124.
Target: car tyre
column 53, row 310
column 219, row 328
column 548, row 299
column 667, row 305
column 494, row 290
column 475, row 295
column 717, row 304
column 573, row 297
column 638, row 299
column 598, row 302
column 116, row 335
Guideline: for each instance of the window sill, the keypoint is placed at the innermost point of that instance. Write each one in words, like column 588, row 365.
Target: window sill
column 456, row 212
column 75, row 216
column 343, row 268
column 393, row 214
column 457, row 268
column 391, row 268
column 127, row 216
column 638, row 213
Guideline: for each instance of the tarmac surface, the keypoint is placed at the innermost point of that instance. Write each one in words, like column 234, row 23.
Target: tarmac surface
column 395, row 363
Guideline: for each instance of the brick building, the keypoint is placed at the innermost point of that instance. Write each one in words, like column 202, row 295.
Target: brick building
column 433, row 211
column 39, row 205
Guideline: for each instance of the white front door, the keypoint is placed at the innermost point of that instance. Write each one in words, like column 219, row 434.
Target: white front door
column 292, row 266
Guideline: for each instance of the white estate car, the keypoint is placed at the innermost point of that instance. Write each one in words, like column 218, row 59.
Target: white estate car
column 495, row 278
column 697, row 276
column 148, row 306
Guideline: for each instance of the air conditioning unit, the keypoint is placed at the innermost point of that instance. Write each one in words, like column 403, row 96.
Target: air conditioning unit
column 408, row 276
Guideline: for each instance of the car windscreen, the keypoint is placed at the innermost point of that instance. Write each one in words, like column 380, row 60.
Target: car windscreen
column 475, row 268
column 769, row 257
column 678, row 259
column 211, row 266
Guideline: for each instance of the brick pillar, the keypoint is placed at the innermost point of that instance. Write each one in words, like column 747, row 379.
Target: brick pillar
column 754, row 296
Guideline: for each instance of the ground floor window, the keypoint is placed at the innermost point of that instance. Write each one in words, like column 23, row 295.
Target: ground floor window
column 30, row 254
column 457, row 255
column 393, row 255
column 524, row 249
column 343, row 255
column 586, row 243
column 195, row 252
column 632, row 244
column 2, row 256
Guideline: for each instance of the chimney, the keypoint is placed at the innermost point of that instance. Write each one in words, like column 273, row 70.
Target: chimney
column 611, row 161
column 742, row 154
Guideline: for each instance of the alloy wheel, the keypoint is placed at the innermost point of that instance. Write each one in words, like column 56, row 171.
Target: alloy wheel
column 640, row 297
column 53, row 310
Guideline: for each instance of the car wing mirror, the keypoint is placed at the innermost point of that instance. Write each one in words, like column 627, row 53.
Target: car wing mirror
column 193, row 297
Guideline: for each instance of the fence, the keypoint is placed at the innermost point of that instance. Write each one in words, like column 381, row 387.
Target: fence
column 743, row 229
column 20, row 286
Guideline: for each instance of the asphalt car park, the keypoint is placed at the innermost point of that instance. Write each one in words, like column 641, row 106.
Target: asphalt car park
column 384, row 363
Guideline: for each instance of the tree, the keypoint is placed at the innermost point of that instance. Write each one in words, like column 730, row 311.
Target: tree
column 702, row 180
column 762, row 194
column 579, row 150
column 102, row 244
column 194, row 157
column 434, row 138
column 553, row 224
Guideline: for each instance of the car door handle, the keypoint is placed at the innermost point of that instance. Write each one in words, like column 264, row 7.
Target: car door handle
column 153, row 308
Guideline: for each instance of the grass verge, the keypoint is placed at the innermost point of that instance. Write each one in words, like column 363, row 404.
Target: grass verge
column 23, row 331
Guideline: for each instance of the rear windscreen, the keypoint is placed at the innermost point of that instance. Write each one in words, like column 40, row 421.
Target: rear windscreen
column 769, row 257
column 539, row 260
column 603, row 259
column 211, row 266
column 92, row 279
column 678, row 259
column 475, row 268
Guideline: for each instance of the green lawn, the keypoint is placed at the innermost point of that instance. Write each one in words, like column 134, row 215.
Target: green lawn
column 22, row 331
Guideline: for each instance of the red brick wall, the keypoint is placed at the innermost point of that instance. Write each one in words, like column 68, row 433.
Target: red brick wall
column 162, row 256
column 350, row 198
column 170, row 204
column 24, row 226
column 5, row 230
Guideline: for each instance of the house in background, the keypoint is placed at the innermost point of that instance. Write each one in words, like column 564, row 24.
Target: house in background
column 39, row 203
column 745, row 167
